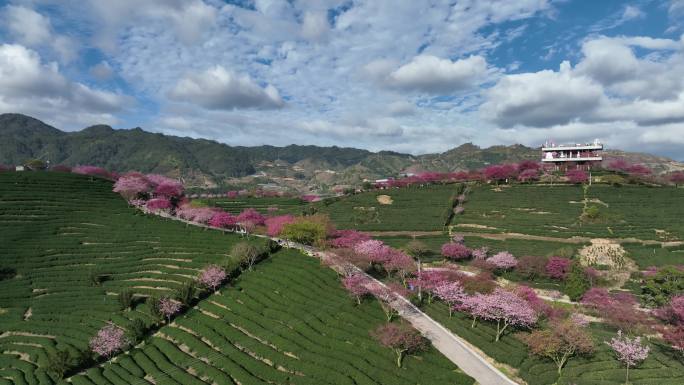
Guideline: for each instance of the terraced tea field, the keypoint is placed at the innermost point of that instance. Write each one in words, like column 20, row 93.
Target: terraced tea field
column 601, row 368
column 627, row 211
column 60, row 230
column 287, row 322
column 236, row 205
column 411, row 208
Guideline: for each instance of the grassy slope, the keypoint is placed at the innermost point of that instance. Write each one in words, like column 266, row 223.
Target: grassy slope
column 288, row 322
column 413, row 208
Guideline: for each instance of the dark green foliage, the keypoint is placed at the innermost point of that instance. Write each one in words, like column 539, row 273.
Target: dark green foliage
column 125, row 299
column 137, row 330
column 577, row 283
column 7, row 273
column 59, row 363
column 186, row 293
column 305, row 232
column 659, row 288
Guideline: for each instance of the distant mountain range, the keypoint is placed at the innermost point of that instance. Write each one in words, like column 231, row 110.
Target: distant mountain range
column 207, row 163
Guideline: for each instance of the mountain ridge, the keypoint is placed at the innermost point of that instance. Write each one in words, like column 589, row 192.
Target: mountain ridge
column 208, row 163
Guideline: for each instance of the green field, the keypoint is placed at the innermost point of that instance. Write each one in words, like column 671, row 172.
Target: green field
column 287, row 322
column 236, row 205
column 627, row 211
column 412, row 208
column 60, row 230
column 660, row 368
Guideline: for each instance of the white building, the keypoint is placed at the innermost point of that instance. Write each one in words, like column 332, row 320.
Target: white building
column 580, row 155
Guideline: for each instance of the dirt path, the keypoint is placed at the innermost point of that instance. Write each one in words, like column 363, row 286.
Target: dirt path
column 505, row 236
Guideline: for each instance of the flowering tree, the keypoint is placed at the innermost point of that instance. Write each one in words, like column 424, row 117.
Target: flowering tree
column 158, row 204
column 168, row 308
column 629, row 351
column 473, row 305
column 503, row 260
column 499, row 172
column 108, row 340
column 92, row 171
column 579, row 319
column 427, row 281
column 251, row 215
column 577, row 176
column 356, row 286
column 196, row 214
column 170, row 189
column 480, row 253
column 403, row 339
column 558, row 268
column 458, row 238
column 561, row 341
column 528, row 175
column 310, row 198
column 677, row 178
column 222, row 219
column 132, row 185
column 212, row 276
column 528, row 165
column 451, row 293
column 540, row 307
column 376, row 251
column 531, row 266
column 455, row 251
column 348, row 238
column 385, row 294
column 274, row 225
column 399, row 263
column 507, row 309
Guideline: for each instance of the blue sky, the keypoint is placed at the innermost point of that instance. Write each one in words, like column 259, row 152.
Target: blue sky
column 410, row 76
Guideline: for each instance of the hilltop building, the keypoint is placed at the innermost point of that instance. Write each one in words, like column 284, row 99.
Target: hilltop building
column 566, row 156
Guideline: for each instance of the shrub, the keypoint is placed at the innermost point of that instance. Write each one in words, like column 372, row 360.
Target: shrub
column 246, row 253
column 657, row 289
column 455, row 251
column 503, row 261
column 304, row 231
column 531, row 267
column 577, row 283
column 558, row 268
column 125, row 299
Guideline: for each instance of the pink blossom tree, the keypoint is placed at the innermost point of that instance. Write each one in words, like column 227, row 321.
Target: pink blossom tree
column 499, row 172
column 275, row 225
column 400, row 264
column 132, row 185
column 677, row 178
column 172, row 189
column 348, row 238
column 451, row 293
column 222, row 220
column 158, row 204
column 251, row 215
column 426, row 281
column 108, row 340
column 455, row 251
column 577, row 176
column 480, row 253
column 356, row 285
column 540, row 307
column 386, row 294
column 507, row 310
column 403, row 339
column 473, row 305
column 376, row 251
column 168, row 308
column 92, row 171
column 630, row 351
column 558, row 268
column 528, row 175
column 503, row 260
column 212, row 276
column 458, row 238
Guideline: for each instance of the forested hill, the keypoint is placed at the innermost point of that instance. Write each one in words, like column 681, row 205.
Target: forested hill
column 210, row 163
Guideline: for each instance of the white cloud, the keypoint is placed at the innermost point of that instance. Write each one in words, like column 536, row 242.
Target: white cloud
column 32, row 29
column 430, row 74
column 315, row 26
column 542, row 98
column 30, row 86
column 221, row 89
column 102, row 70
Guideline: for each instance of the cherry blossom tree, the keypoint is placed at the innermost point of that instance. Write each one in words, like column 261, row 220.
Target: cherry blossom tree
column 348, row 238
column 677, row 178
column 427, row 281
column 274, row 225
column 251, row 215
column 528, row 165
column 528, row 175
column 376, row 251
column 212, row 276
column 356, row 285
column 503, row 260
column 560, row 342
column 540, row 307
column 403, row 339
column 92, row 171
column 399, row 263
column 675, row 337
column 158, row 204
column 172, row 189
column 480, row 253
column 386, row 294
column 132, row 185
column 222, row 219
column 455, row 251
column 458, row 238
column 630, row 351
column 499, row 172
column 558, row 268
column 577, row 176
column 108, row 340
column 507, row 310
column 168, row 308
column 473, row 305
column 451, row 293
